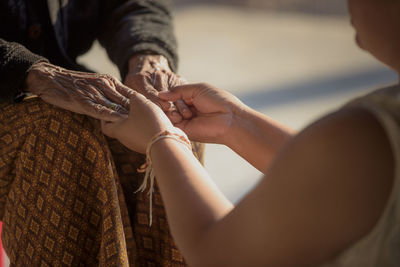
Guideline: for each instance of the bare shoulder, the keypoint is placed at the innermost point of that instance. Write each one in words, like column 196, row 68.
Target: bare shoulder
column 352, row 141
column 324, row 191
column 340, row 170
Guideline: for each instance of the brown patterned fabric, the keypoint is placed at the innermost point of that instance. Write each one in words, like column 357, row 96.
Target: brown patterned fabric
column 67, row 194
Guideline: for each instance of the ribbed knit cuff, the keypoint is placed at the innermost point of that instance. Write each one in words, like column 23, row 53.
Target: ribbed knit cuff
column 15, row 62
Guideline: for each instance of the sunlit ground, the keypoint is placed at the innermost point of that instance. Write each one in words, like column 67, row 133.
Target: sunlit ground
column 291, row 67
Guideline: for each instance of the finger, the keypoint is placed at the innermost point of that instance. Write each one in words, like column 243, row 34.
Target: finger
column 176, row 80
column 178, row 110
column 123, row 89
column 183, row 109
column 101, row 112
column 174, row 116
column 159, row 84
column 135, row 100
column 153, row 96
column 102, row 91
column 192, row 132
column 112, row 105
column 160, row 81
column 126, row 92
column 117, row 98
column 112, row 90
column 185, row 92
column 143, row 85
column 117, row 108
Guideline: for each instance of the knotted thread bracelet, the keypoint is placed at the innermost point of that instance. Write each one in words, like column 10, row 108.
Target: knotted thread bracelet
column 148, row 168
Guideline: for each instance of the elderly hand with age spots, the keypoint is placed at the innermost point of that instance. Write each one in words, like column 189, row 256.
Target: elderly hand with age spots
column 97, row 95
column 102, row 96
column 149, row 74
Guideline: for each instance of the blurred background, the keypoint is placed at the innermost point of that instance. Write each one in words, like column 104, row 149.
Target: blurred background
column 293, row 60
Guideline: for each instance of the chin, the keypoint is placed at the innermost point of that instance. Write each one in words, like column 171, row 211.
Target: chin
column 358, row 42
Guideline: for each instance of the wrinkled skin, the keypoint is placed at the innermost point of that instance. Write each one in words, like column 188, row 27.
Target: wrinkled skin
column 150, row 74
column 95, row 95
column 102, row 96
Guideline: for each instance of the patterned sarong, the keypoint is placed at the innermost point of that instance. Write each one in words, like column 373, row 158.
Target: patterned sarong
column 67, row 194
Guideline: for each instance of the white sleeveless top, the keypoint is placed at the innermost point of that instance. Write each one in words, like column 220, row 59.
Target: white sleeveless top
column 381, row 246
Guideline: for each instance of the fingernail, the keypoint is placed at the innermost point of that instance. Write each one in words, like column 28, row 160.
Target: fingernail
column 169, row 106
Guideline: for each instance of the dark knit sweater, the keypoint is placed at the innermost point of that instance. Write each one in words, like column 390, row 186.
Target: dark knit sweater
column 34, row 30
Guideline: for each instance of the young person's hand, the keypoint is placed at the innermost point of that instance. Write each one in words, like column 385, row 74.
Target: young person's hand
column 213, row 111
column 145, row 120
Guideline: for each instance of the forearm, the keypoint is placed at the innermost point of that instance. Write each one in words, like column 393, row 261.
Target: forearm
column 193, row 202
column 136, row 27
column 256, row 137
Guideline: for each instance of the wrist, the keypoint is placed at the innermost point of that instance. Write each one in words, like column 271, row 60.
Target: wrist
column 241, row 120
column 173, row 134
column 159, row 144
column 34, row 80
column 31, row 78
column 147, row 62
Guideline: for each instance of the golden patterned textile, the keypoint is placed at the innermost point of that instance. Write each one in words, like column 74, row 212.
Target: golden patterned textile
column 62, row 200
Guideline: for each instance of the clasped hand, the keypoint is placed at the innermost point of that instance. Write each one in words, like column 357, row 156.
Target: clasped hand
column 203, row 112
column 213, row 111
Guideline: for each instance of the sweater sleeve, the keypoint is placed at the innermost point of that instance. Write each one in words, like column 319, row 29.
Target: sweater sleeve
column 15, row 61
column 139, row 26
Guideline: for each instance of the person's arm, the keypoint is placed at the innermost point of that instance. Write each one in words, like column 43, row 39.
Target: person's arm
column 224, row 119
column 96, row 95
column 323, row 192
column 256, row 137
column 139, row 39
column 15, row 61
column 137, row 27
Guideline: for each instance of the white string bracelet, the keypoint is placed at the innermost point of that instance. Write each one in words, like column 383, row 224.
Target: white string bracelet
column 147, row 166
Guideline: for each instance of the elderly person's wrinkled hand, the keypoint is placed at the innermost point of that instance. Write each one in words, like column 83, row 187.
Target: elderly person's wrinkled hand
column 98, row 95
column 150, row 74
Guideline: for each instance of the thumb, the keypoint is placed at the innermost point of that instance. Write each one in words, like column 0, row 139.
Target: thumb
column 186, row 92
column 136, row 99
column 108, row 128
column 169, row 96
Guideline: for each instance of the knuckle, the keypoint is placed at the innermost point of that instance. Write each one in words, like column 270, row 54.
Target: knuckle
column 97, row 107
column 143, row 74
column 204, row 84
column 126, row 101
column 107, row 77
